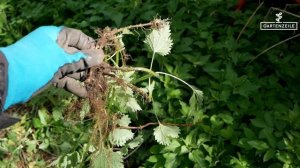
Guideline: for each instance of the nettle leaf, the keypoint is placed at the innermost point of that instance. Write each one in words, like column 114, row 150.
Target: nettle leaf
column 120, row 136
column 124, row 100
column 151, row 88
column 198, row 95
column 136, row 142
column 108, row 158
column 159, row 40
column 133, row 104
column 163, row 133
column 124, row 121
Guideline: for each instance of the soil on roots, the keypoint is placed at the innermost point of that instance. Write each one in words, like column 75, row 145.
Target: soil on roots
column 97, row 89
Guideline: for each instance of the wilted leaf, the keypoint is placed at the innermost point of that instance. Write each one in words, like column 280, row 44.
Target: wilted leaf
column 163, row 134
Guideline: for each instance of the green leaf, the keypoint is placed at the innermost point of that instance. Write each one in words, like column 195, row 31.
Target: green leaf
column 37, row 123
column 163, row 134
column 136, row 142
column 133, row 104
column 159, row 40
column 269, row 119
column 197, row 157
column 198, row 94
column 152, row 159
column 151, row 88
column 227, row 132
column 107, row 158
column 57, row 114
column 44, row 117
column 249, row 133
column 258, row 122
column 119, row 136
column 269, row 155
column 31, row 145
column 44, row 145
column 268, row 133
column 226, row 118
column 258, row 144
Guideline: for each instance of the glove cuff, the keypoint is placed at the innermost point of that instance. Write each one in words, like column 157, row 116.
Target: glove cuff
column 3, row 80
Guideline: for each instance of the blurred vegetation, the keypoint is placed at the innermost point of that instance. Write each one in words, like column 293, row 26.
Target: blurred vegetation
column 250, row 115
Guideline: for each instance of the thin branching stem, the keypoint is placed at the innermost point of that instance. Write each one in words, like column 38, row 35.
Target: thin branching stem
column 154, row 123
column 275, row 45
column 248, row 21
column 134, row 27
column 155, row 74
column 149, row 80
column 175, row 77
column 127, row 69
column 109, row 58
column 284, row 11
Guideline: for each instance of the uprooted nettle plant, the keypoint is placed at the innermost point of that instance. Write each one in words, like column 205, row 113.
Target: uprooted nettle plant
column 113, row 94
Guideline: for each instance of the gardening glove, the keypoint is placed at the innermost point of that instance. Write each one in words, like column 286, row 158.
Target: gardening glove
column 48, row 55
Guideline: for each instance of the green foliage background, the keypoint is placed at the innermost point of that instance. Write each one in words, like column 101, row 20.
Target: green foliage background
column 250, row 115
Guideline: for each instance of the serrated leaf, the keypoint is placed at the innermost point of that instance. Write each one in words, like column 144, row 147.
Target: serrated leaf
column 151, row 88
column 159, row 40
column 120, row 136
column 163, row 133
column 198, row 95
column 124, row 100
column 124, row 121
column 136, row 142
column 107, row 158
column 133, row 104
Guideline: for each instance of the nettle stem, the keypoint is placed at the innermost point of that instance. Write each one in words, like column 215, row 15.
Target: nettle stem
column 134, row 27
column 175, row 77
column 154, row 123
column 153, row 73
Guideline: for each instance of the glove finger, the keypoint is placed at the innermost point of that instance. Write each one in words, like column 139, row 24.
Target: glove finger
column 72, row 86
column 69, row 37
column 71, row 50
column 6, row 120
column 81, row 76
column 94, row 57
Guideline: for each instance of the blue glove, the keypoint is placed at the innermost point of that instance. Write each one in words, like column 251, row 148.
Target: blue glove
column 48, row 55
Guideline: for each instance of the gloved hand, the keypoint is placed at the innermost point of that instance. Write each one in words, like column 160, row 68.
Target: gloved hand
column 48, row 55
